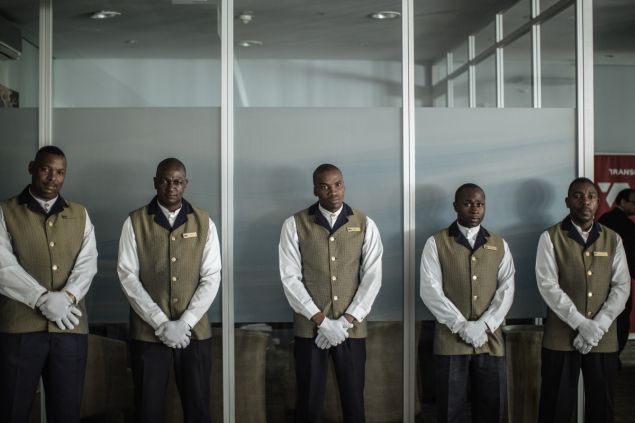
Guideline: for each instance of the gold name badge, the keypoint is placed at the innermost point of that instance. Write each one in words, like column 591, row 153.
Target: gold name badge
column 490, row 247
column 190, row 235
column 600, row 254
column 354, row 229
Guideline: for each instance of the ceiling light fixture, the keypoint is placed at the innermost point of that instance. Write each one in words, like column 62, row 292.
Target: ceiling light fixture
column 384, row 15
column 105, row 14
column 246, row 16
column 250, row 43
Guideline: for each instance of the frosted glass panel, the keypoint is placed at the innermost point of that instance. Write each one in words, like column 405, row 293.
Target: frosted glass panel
column 523, row 159
column 276, row 153
column 18, row 145
column 112, row 157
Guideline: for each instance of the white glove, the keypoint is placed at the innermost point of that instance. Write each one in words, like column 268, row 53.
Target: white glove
column 321, row 342
column 54, row 305
column 473, row 331
column 174, row 334
column 581, row 345
column 345, row 323
column 591, row 332
column 70, row 320
column 333, row 331
column 479, row 342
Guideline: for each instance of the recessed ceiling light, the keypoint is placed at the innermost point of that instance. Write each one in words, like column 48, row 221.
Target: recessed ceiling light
column 131, row 41
column 250, row 43
column 105, row 14
column 384, row 15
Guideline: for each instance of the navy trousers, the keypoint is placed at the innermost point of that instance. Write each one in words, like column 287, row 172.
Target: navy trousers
column 311, row 363
column 60, row 358
column 151, row 364
column 484, row 375
column 559, row 389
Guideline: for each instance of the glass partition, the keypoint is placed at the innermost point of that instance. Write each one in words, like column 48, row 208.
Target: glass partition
column 315, row 85
column 134, row 83
column 19, row 81
column 558, row 71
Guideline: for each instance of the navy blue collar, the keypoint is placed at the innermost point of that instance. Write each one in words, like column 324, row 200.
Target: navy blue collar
column 594, row 233
column 319, row 219
column 481, row 237
column 161, row 220
column 25, row 197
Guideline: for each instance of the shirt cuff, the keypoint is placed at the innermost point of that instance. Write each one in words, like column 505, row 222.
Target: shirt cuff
column 603, row 321
column 491, row 324
column 457, row 325
column 575, row 320
column 311, row 310
column 37, row 293
column 357, row 312
column 189, row 318
column 159, row 319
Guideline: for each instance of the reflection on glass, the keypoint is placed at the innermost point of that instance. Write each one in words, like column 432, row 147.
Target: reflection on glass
column 323, row 87
column 485, row 38
column 459, row 56
column 558, row 60
column 518, row 74
column 461, row 95
column 439, row 70
column 515, row 16
column 19, row 81
column 485, row 84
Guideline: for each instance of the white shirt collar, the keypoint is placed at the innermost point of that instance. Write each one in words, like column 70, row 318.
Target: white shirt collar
column 330, row 217
column 469, row 233
column 170, row 215
column 583, row 234
column 45, row 204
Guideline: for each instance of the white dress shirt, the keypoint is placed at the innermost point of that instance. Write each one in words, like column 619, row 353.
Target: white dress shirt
column 291, row 269
column 140, row 300
column 444, row 310
column 19, row 285
column 560, row 303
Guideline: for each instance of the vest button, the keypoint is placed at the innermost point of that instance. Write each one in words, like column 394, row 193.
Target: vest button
column 173, row 278
column 589, row 273
column 333, row 258
column 175, row 300
column 50, row 223
column 173, row 259
column 475, row 297
column 54, row 267
column 473, row 258
column 587, row 254
column 590, row 294
column 335, row 298
column 589, row 314
column 474, row 277
column 173, row 238
column 332, row 239
column 51, row 244
column 333, row 278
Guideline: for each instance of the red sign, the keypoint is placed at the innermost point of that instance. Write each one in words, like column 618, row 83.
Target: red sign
column 614, row 173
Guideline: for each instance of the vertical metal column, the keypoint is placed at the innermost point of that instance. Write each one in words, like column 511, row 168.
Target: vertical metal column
column 408, row 154
column 449, row 58
column 536, row 64
column 584, row 65
column 227, row 206
column 500, row 64
column 45, row 126
column 471, row 71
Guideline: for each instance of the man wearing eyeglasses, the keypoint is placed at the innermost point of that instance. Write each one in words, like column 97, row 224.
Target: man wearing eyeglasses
column 618, row 220
column 170, row 268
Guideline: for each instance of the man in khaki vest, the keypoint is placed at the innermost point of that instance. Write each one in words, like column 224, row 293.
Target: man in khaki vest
column 467, row 283
column 170, row 268
column 583, row 277
column 330, row 266
column 48, row 258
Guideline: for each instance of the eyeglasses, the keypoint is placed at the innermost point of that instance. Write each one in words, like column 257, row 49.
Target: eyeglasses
column 176, row 182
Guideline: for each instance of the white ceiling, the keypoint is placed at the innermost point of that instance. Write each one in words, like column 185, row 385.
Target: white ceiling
column 315, row 29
